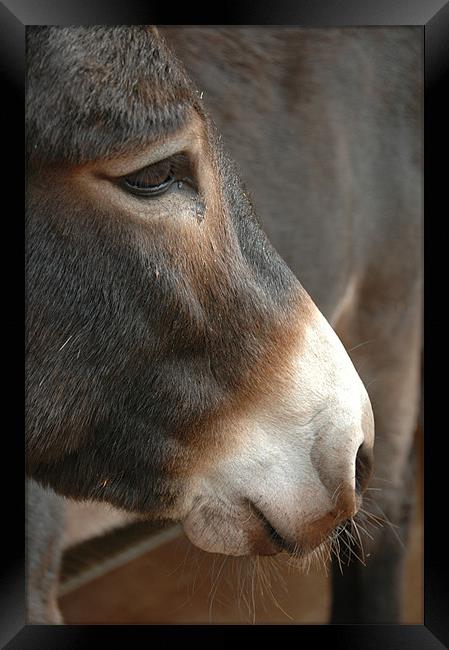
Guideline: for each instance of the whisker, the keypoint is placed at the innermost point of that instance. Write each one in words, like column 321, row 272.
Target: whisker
column 253, row 600
column 380, row 519
column 337, row 491
column 351, row 551
column 384, row 480
column 353, row 523
column 213, row 591
column 370, row 383
column 268, row 585
column 394, row 527
column 362, row 528
column 360, row 345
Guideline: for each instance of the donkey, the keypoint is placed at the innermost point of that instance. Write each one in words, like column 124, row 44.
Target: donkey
column 326, row 127
column 176, row 367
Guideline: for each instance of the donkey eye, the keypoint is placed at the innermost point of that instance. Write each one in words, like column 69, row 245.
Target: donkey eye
column 156, row 179
column 150, row 181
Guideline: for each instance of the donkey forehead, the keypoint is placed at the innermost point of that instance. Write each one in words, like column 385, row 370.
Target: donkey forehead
column 116, row 87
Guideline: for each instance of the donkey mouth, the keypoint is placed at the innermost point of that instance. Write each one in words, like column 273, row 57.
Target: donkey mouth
column 279, row 542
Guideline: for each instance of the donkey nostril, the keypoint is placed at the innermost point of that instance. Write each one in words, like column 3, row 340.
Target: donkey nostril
column 363, row 467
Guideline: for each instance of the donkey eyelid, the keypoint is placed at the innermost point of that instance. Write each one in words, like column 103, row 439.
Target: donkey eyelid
column 180, row 157
column 116, row 174
column 130, row 164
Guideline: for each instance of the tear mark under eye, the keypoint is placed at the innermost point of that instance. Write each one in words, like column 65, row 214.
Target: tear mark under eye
column 197, row 208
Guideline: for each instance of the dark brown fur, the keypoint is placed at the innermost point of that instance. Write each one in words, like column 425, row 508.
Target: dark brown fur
column 141, row 340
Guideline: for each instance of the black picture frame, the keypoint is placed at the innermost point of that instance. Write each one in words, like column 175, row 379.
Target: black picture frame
column 433, row 16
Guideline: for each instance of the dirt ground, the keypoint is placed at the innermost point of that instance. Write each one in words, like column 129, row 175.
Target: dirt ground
column 177, row 583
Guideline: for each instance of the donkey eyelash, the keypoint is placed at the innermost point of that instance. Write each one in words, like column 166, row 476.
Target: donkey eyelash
column 157, row 178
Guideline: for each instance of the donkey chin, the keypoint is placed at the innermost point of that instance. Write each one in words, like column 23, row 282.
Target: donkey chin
column 299, row 465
